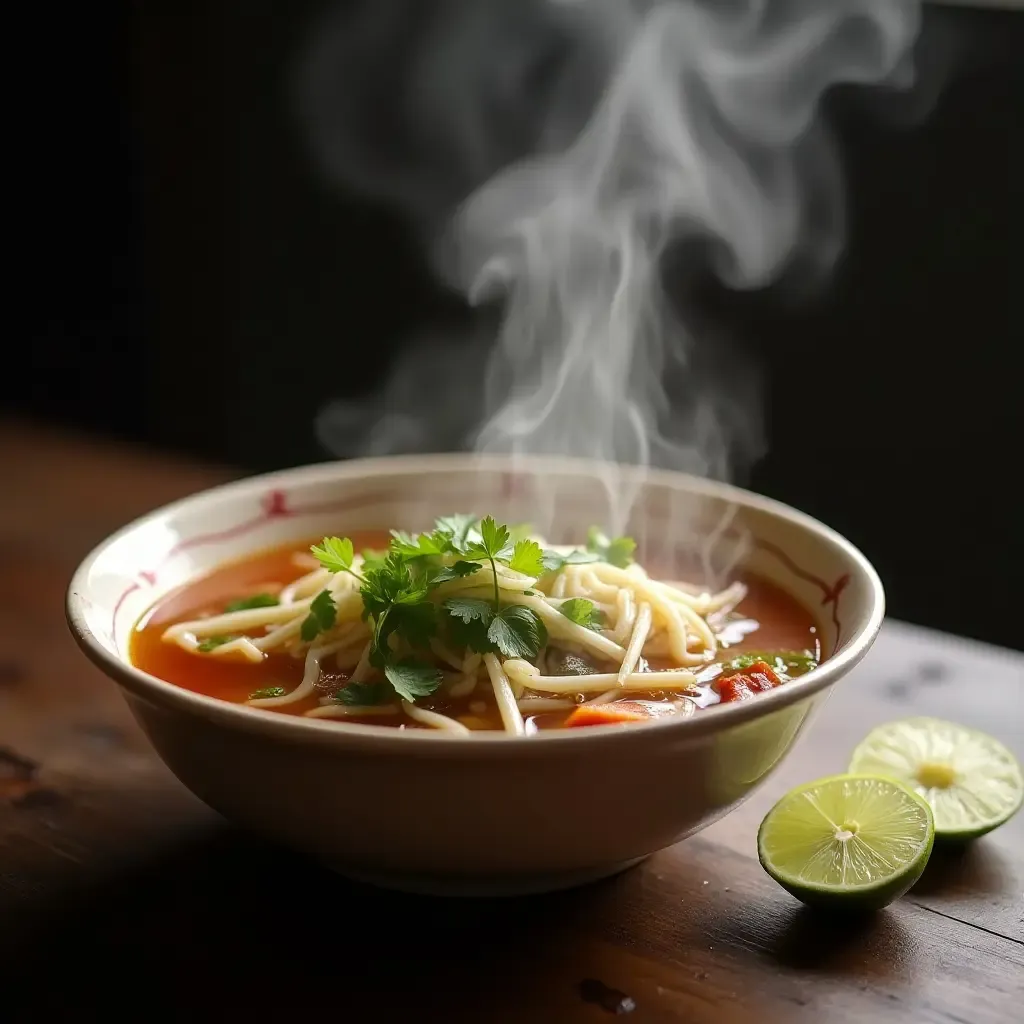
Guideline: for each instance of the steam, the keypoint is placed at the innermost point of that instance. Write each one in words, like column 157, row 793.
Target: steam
column 605, row 134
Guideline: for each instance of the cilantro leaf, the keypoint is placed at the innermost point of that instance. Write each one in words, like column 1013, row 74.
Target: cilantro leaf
column 322, row 615
column 361, row 693
column 469, row 608
column 527, row 558
column 582, row 612
column 373, row 560
column 412, row 679
column 618, row 552
column 468, row 621
column 416, row 622
column 493, row 539
column 517, row 632
column 454, row 572
column 256, row 601
column 212, row 642
column 335, row 554
column 458, row 527
column 554, row 561
column 417, row 545
column 268, row 691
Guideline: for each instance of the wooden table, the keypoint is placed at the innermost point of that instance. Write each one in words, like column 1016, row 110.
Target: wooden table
column 120, row 891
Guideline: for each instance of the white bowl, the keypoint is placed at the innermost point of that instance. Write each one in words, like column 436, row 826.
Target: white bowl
column 489, row 813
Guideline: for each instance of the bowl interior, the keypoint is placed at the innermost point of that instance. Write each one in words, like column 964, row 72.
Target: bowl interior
column 686, row 528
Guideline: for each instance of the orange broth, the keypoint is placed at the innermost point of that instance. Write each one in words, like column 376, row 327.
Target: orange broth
column 776, row 622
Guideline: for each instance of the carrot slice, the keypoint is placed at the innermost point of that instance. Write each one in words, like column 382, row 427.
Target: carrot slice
column 744, row 685
column 736, row 687
column 618, row 712
column 762, row 672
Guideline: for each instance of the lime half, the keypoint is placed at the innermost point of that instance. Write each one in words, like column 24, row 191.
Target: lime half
column 855, row 842
column 972, row 782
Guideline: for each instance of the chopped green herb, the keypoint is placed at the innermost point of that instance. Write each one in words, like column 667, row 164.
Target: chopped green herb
column 335, row 554
column 582, row 612
column 256, row 601
column 412, row 679
column 789, row 663
column 212, row 642
column 322, row 615
column 618, row 552
column 361, row 694
column 267, row 692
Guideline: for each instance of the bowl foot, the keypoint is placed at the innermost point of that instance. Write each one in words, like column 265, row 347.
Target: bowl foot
column 484, row 887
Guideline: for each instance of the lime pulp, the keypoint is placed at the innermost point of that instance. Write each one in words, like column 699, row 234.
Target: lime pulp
column 853, row 842
column 971, row 781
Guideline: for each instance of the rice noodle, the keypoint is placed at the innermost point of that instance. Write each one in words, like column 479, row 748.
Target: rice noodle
column 310, row 584
column 528, row 676
column 503, row 696
column 538, row 705
column 433, row 719
column 310, row 675
column 636, row 641
column 351, row 710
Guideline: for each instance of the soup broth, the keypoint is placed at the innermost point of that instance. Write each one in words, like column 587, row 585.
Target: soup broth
column 766, row 635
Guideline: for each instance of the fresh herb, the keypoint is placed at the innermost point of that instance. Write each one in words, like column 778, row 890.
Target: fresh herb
column 527, row 558
column 417, row 545
column 469, row 609
column 582, row 612
column 213, row 642
column 335, row 554
column 789, row 663
column 256, row 601
column 554, row 561
column 514, row 631
column 396, row 588
column 492, row 546
column 373, row 559
column 322, row 615
column 361, row 694
column 460, row 528
column 456, row 571
column 517, row 632
column 618, row 552
column 412, row 679
column 267, row 692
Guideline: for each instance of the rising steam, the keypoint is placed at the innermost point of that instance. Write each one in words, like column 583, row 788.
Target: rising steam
column 569, row 145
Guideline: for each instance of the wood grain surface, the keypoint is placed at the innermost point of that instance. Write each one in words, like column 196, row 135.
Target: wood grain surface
column 122, row 895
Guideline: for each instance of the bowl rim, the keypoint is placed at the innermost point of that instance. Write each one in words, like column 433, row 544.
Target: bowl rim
column 385, row 739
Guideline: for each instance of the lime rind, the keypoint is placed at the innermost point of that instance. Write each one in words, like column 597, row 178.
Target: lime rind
column 803, row 842
column 972, row 782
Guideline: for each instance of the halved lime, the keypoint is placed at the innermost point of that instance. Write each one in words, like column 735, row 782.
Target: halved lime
column 970, row 780
column 855, row 842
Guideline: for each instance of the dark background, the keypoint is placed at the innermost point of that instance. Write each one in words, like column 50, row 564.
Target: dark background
column 189, row 282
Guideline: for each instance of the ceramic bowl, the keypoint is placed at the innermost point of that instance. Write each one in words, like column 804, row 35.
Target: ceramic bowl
column 487, row 814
